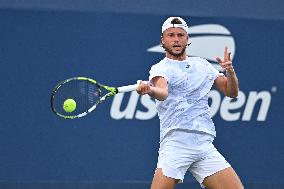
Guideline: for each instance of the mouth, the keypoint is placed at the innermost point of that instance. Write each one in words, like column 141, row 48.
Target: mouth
column 176, row 46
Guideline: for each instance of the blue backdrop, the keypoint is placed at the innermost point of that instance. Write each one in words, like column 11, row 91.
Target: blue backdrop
column 119, row 142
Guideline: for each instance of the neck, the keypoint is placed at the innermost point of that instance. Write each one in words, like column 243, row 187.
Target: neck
column 180, row 57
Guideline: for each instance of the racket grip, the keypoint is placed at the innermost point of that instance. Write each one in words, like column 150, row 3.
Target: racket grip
column 127, row 88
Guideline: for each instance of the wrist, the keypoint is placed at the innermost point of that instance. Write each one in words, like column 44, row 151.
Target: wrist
column 230, row 71
column 151, row 91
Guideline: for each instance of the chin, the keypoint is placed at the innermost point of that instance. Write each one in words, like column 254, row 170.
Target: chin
column 177, row 53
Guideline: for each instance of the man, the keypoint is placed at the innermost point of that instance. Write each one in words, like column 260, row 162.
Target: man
column 180, row 85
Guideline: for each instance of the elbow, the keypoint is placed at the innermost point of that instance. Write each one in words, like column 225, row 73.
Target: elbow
column 163, row 97
column 233, row 94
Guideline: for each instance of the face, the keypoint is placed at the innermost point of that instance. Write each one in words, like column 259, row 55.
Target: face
column 175, row 41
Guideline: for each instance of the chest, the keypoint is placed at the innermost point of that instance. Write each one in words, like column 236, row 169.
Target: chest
column 187, row 78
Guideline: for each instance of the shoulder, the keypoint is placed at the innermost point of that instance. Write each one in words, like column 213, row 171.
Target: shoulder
column 198, row 60
column 159, row 64
column 203, row 64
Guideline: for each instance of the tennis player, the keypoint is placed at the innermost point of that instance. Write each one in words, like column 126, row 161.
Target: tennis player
column 180, row 85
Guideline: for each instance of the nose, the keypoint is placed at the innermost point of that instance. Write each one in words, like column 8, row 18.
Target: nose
column 176, row 39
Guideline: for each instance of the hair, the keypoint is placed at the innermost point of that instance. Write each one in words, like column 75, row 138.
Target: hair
column 176, row 21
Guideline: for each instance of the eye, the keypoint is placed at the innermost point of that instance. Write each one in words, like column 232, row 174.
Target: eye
column 181, row 34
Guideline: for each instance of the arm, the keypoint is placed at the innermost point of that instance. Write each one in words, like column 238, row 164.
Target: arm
column 159, row 89
column 227, row 84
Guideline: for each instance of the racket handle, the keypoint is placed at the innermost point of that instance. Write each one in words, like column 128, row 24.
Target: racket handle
column 127, row 88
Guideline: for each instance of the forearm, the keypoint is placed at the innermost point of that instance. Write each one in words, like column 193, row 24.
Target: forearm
column 158, row 89
column 160, row 94
column 232, row 87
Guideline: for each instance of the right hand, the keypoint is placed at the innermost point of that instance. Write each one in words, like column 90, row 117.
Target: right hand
column 144, row 87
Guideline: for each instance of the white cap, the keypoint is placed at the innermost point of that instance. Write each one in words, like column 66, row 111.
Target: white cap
column 167, row 24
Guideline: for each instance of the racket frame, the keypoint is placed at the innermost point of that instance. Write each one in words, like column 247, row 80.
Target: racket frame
column 111, row 92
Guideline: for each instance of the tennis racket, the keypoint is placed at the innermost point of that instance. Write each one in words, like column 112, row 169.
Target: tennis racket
column 86, row 93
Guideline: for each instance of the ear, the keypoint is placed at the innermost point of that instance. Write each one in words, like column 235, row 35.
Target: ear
column 188, row 42
column 162, row 40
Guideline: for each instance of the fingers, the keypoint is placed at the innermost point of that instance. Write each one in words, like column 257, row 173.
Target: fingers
column 143, row 87
column 227, row 56
column 219, row 60
column 226, row 53
column 226, row 65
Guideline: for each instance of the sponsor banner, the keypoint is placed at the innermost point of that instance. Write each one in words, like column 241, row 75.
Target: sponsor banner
column 220, row 106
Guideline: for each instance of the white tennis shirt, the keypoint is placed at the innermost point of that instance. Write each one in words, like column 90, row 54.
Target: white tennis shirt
column 186, row 106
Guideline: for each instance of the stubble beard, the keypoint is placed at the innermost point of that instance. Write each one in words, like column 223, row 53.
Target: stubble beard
column 177, row 55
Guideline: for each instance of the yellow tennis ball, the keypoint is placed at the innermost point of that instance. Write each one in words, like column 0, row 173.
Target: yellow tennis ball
column 69, row 105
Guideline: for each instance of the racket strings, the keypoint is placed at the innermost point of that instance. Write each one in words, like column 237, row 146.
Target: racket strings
column 84, row 93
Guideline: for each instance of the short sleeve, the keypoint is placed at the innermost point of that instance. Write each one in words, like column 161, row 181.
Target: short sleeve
column 158, row 70
column 211, row 70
